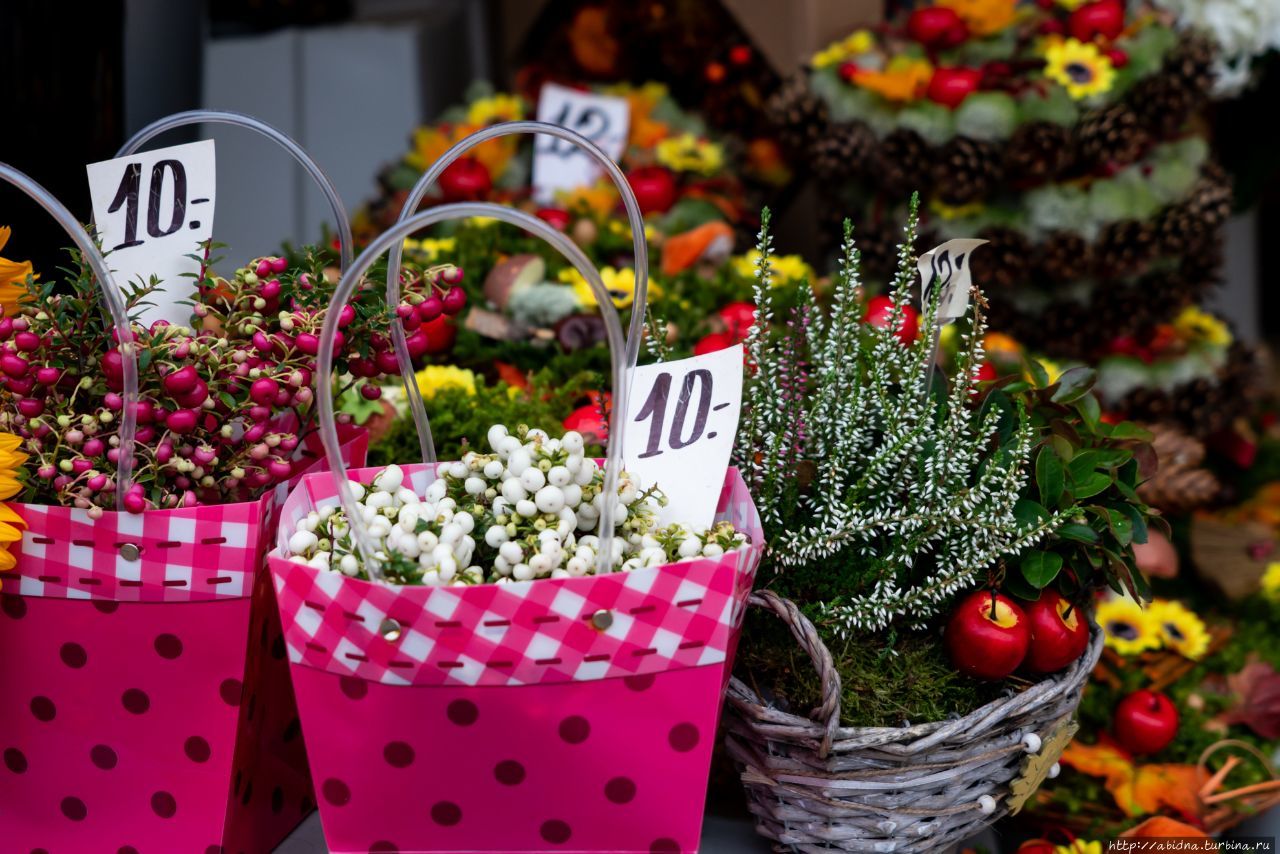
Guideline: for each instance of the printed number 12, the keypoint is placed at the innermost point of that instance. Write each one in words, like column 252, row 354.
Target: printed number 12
column 655, row 408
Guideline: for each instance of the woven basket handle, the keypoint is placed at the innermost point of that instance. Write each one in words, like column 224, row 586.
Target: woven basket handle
column 806, row 634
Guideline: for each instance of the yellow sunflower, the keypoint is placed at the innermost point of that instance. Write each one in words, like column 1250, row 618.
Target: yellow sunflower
column 1128, row 628
column 1182, row 631
column 1271, row 581
column 855, row 44
column 1194, row 324
column 688, row 153
column 983, row 17
column 621, row 284
column 494, row 109
column 1080, row 846
column 431, row 248
column 1079, row 67
column 437, row 378
column 11, row 463
column 13, row 278
column 784, row 269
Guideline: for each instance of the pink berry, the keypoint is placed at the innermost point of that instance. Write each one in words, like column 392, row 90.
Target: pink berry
column 164, row 453
column 80, row 465
column 182, row 380
column 263, row 268
column 205, row 455
column 307, row 343
column 430, row 308
column 346, row 316
column 113, row 401
column 31, row 407
column 454, row 300
column 27, row 341
column 14, row 366
column 145, row 412
column 453, row 275
column 134, row 502
column 6, row 328
column 386, row 362
column 145, row 434
column 182, row 421
column 21, row 324
column 370, row 392
column 261, row 412
column 411, row 322
column 279, row 265
column 20, row 385
column 256, row 432
column 289, row 444
column 93, row 448
column 196, row 396
column 97, row 482
column 46, row 472
column 280, row 469
column 48, row 376
column 262, row 342
column 263, row 390
column 270, row 289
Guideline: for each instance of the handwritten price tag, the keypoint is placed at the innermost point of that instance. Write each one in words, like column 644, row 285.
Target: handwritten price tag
column 681, row 421
column 947, row 267
column 559, row 164
column 152, row 209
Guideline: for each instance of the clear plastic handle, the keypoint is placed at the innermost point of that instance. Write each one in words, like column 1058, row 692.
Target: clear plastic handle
column 195, row 117
column 119, row 317
column 620, row 361
column 635, row 331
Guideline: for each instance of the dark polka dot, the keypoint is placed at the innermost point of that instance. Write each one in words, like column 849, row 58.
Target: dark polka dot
column 43, row 709
column 229, row 691
column 168, row 646
column 235, row 784
column 39, row 851
column 197, row 749
column 248, row 793
column 398, row 754
column 509, row 772
column 382, row 846
column 620, row 790
column 163, row 804
column 640, row 682
column 463, row 712
column 683, row 737
column 291, row 731
column 277, row 648
column 664, row 846
column 105, row 607
column 277, row 800
column 103, row 757
column 555, row 831
column 354, row 688
column 136, row 700
column 14, row 607
column 446, row 814
column 575, row 729
column 14, row 760
column 214, row 849
column 73, row 655
column 74, row 809
column 335, row 792
column 126, row 849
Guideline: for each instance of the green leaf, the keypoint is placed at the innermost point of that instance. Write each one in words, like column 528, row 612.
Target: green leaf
column 1038, row 373
column 1091, row 484
column 1040, row 568
column 1074, row 384
column 1016, row 585
column 1064, row 448
column 1090, row 410
column 1050, row 476
column 1079, row 533
column 1082, row 465
column 1128, row 430
column 1028, row 513
column 227, row 400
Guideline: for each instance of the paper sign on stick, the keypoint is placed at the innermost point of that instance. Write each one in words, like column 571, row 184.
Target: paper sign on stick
column 682, row 418
column 947, row 267
column 559, row 164
column 152, row 209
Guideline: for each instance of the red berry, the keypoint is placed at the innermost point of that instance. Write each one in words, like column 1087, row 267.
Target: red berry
column 307, row 343
column 14, row 366
column 345, row 316
column 181, row 381
column 848, row 71
column 1118, row 57
column 740, row 54
column 880, row 308
column 950, row 86
column 263, row 390
column 738, row 317
column 370, row 392
column 557, row 217
column 931, row 25
column 195, row 396
column 181, row 421
column 1100, row 18
column 655, row 188
column 30, row 407
column 439, row 334
column 465, row 180
column 27, row 341
column 430, row 308
column 713, row 342
column 454, row 300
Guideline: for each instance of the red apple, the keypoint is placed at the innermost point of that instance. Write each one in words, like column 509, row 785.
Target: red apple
column 987, row 636
column 1103, row 18
column 587, row 420
column 465, row 180
column 877, row 314
column 933, row 25
column 556, row 217
column 1059, row 633
column 1145, row 722
column 950, row 86
column 738, row 319
column 713, row 342
column 655, row 188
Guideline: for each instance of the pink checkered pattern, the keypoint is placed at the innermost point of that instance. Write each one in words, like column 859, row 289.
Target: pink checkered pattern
column 674, row 616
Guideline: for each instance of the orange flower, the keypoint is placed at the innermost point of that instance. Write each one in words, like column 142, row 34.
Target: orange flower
column 1139, row 790
column 983, row 17
column 13, row 277
column 904, row 80
column 597, row 201
column 429, row 143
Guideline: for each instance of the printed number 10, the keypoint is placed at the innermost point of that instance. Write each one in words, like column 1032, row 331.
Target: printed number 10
column 127, row 196
column 655, row 408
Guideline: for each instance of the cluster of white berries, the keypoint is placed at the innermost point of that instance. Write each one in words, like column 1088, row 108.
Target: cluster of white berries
column 530, row 509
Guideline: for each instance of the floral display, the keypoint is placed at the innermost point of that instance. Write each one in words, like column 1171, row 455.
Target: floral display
column 1244, row 32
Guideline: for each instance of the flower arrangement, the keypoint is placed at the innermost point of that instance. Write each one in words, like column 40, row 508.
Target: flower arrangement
column 1244, row 32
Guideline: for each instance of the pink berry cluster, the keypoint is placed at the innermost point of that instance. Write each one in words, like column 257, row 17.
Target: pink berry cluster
column 226, row 404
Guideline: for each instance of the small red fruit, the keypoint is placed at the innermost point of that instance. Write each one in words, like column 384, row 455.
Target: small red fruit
column 1118, row 57
column 877, row 314
column 848, row 71
column 740, row 54
column 557, row 217
column 713, row 342
column 1059, row 633
column 439, row 334
column 1145, row 722
column 655, row 188
column 1103, row 18
column 738, row 319
column 987, row 373
column 932, row 26
column 950, row 86
column 465, row 180
column 987, row 636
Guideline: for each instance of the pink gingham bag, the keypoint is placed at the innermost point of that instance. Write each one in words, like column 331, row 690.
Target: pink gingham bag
column 143, row 699
column 573, row 714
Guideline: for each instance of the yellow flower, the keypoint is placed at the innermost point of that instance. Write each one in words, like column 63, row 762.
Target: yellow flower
column 431, row 248
column 1271, row 582
column 1071, row 5
column 999, row 344
column 621, row 284
column 494, row 109
column 1182, row 631
column 597, row 201
column 1079, row 67
column 481, row 221
column 855, row 44
column 687, row 153
column 1193, row 324
column 437, row 378
column 983, row 17
column 623, row 229
column 947, row 211
column 905, row 79
column 1051, row 368
column 12, row 461
column 13, row 278
column 785, row 269
column 1128, row 628
column 1080, row 846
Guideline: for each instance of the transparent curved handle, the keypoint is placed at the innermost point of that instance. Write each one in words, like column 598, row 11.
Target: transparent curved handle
column 635, row 331
column 195, row 117
column 620, row 366
column 119, row 317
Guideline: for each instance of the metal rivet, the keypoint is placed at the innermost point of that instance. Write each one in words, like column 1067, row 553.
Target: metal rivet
column 389, row 629
column 130, row 552
column 602, row 619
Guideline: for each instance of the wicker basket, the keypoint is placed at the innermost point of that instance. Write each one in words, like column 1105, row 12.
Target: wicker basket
column 815, row 786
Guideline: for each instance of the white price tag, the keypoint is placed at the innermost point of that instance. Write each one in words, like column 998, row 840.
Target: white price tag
column 947, row 267
column 682, row 418
column 152, row 209
column 559, row 164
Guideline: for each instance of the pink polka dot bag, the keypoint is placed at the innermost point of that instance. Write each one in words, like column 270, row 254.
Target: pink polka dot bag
column 574, row 714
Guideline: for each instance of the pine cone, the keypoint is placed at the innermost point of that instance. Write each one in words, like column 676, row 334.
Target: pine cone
column 1003, row 263
column 1037, row 152
column 966, row 170
column 1111, row 135
column 1165, row 100
column 1124, row 248
column 901, row 162
column 1064, row 257
column 1180, row 491
column 845, row 150
column 798, row 114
